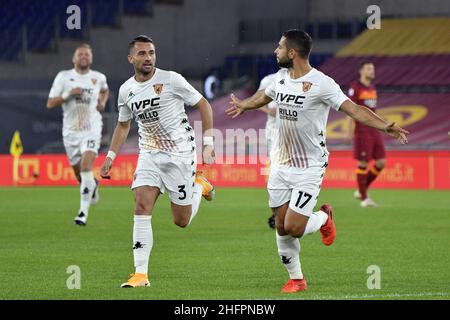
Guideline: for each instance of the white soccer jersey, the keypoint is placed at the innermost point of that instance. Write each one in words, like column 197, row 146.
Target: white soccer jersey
column 158, row 108
column 80, row 113
column 303, row 107
column 271, row 121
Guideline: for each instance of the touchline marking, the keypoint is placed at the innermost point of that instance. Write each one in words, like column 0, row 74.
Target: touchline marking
column 367, row 296
column 394, row 295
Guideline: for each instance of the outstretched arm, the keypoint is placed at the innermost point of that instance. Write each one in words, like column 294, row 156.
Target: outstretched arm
column 269, row 111
column 256, row 101
column 119, row 136
column 371, row 119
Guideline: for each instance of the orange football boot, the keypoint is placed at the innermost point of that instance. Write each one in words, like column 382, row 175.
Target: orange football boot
column 136, row 280
column 328, row 230
column 208, row 189
column 294, row 285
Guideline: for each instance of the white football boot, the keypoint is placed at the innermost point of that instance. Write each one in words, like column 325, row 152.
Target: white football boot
column 367, row 202
column 81, row 219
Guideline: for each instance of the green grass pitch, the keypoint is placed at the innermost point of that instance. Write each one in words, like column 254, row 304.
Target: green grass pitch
column 227, row 253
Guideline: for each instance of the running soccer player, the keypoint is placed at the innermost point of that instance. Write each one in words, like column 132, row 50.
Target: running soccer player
column 304, row 97
column 167, row 156
column 368, row 143
column 82, row 93
column 271, row 128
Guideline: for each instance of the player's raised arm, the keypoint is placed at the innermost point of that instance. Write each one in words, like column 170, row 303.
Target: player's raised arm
column 371, row 119
column 256, row 101
column 57, row 101
column 119, row 136
column 103, row 95
column 206, row 114
column 102, row 98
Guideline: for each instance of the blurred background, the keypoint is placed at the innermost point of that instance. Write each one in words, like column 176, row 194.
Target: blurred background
column 227, row 46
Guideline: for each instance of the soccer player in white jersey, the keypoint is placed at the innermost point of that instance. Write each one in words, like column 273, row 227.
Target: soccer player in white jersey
column 271, row 125
column 167, row 161
column 82, row 93
column 304, row 97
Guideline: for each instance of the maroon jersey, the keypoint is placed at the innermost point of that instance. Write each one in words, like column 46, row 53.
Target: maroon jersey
column 368, row 142
column 365, row 96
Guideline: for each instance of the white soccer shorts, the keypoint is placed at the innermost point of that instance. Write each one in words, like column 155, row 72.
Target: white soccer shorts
column 299, row 186
column 167, row 172
column 78, row 143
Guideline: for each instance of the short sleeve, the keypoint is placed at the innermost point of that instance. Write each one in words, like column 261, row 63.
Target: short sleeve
column 331, row 94
column 104, row 83
column 125, row 113
column 57, row 86
column 265, row 82
column 184, row 90
column 270, row 90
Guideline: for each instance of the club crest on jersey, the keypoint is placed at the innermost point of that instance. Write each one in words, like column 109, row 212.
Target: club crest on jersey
column 94, row 81
column 306, row 86
column 158, row 88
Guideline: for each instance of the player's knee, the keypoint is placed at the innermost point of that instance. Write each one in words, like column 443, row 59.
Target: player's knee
column 294, row 230
column 362, row 164
column 182, row 222
column 142, row 206
column 280, row 228
column 380, row 163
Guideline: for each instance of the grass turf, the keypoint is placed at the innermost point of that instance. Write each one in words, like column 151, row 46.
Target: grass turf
column 227, row 253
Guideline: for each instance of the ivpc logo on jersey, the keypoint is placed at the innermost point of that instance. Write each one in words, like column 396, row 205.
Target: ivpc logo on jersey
column 291, row 99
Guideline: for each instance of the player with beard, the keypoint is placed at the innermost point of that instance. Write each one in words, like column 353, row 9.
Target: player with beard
column 304, row 97
column 82, row 93
column 167, row 160
column 368, row 143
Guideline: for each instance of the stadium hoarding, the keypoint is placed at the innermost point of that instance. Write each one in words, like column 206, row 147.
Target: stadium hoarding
column 404, row 170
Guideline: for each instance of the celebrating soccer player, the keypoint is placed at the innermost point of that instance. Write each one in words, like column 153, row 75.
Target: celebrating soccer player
column 367, row 141
column 167, row 156
column 82, row 93
column 304, row 97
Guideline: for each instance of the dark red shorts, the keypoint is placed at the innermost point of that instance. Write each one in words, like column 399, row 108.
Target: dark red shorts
column 368, row 146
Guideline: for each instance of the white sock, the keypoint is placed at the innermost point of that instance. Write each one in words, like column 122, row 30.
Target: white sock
column 316, row 220
column 87, row 187
column 289, row 252
column 142, row 242
column 196, row 199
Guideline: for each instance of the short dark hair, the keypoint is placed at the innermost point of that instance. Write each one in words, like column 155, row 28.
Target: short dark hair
column 139, row 38
column 363, row 63
column 300, row 41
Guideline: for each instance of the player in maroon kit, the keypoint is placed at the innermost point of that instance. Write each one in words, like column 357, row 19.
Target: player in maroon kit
column 367, row 142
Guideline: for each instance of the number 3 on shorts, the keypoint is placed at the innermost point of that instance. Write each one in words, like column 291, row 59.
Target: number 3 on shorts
column 181, row 190
column 303, row 199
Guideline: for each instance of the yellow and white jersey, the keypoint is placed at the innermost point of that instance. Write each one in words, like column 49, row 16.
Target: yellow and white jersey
column 80, row 113
column 303, row 107
column 158, row 108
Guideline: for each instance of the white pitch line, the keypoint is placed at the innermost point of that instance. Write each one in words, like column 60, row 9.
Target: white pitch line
column 367, row 296
column 396, row 295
